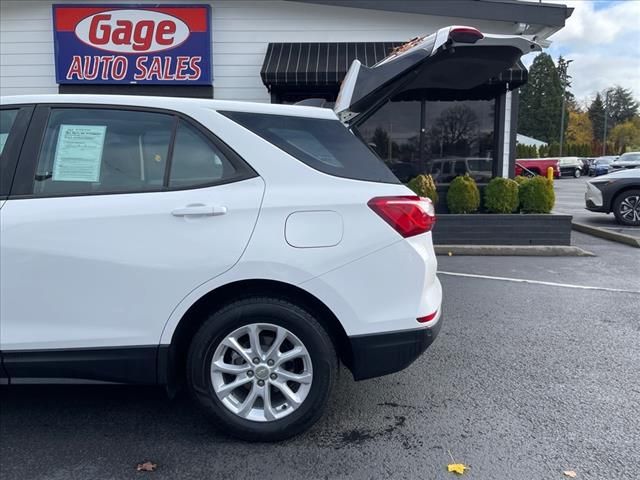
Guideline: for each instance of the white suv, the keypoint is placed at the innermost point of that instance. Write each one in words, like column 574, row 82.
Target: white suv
column 238, row 249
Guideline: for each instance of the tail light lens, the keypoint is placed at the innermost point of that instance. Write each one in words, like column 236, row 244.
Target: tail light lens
column 465, row 35
column 427, row 318
column 408, row 215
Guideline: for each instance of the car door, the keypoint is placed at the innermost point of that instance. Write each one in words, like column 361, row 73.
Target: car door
column 115, row 215
column 14, row 120
column 452, row 59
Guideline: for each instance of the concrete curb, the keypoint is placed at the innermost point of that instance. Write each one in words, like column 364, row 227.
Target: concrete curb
column 606, row 234
column 513, row 250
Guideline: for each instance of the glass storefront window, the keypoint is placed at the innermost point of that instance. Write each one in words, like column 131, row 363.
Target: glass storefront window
column 393, row 132
column 449, row 138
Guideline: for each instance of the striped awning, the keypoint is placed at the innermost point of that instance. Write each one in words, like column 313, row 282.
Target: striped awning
column 326, row 64
column 317, row 63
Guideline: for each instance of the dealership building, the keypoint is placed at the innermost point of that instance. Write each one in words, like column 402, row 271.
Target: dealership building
column 281, row 51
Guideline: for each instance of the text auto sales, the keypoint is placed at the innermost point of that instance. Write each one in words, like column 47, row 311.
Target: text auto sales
column 130, row 37
column 147, row 68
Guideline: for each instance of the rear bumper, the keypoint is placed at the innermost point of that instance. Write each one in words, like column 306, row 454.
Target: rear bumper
column 384, row 353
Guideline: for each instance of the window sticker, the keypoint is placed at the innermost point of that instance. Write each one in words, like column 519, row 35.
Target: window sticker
column 79, row 153
column 3, row 140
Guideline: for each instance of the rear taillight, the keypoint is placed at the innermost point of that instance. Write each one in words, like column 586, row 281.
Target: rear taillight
column 427, row 318
column 409, row 215
column 465, row 35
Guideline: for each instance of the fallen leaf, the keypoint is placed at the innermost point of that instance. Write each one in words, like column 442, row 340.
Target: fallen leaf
column 570, row 473
column 146, row 467
column 458, row 468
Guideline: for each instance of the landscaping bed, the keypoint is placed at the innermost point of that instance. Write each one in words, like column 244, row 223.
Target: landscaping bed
column 502, row 229
column 504, row 212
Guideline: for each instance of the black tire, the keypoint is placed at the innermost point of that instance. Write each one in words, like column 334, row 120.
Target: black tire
column 263, row 310
column 628, row 197
column 577, row 173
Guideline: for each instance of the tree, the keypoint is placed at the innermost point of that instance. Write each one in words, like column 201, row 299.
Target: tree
column 625, row 135
column 620, row 106
column 565, row 81
column 380, row 142
column 526, row 151
column 596, row 115
column 456, row 124
column 580, row 128
column 541, row 101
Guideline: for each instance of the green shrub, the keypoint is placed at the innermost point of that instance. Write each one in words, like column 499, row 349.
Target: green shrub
column 536, row 195
column 501, row 195
column 463, row 195
column 424, row 186
column 520, row 179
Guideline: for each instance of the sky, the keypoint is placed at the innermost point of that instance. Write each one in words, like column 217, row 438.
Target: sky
column 602, row 37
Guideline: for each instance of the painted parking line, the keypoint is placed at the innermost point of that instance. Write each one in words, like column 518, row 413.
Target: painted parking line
column 537, row 282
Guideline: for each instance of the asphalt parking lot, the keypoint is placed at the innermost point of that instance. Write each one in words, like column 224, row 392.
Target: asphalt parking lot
column 526, row 380
column 570, row 200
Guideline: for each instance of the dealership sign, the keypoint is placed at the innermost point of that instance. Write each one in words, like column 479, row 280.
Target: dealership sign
column 132, row 44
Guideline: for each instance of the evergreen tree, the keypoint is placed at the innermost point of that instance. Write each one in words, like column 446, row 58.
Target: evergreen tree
column 596, row 115
column 565, row 81
column 541, row 101
column 620, row 106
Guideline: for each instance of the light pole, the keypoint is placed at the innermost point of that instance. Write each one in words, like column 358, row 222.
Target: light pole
column 562, row 124
column 604, row 133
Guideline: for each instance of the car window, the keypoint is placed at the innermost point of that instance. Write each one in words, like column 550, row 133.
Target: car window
column 196, row 160
column 460, row 167
column 629, row 157
column 7, row 117
column 323, row 144
column 103, row 150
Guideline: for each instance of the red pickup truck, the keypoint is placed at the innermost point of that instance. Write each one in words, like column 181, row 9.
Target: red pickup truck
column 537, row 166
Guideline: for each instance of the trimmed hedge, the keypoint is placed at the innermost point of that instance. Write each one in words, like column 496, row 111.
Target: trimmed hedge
column 520, row 179
column 501, row 195
column 537, row 195
column 463, row 195
column 424, row 186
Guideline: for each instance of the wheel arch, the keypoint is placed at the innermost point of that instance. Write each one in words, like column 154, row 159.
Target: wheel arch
column 617, row 193
column 171, row 358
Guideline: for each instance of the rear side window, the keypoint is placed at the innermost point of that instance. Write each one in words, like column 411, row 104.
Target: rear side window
column 95, row 151
column 196, row 160
column 98, row 151
column 325, row 145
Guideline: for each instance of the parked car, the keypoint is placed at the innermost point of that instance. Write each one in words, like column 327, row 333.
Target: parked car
column 587, row 165
column 571, row 167
column 617, row 192
column 444, row 170
column 601, row 166
column 627, row 160
column 537, row 166
column 241, row 249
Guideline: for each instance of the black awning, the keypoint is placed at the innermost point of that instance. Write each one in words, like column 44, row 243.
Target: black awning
column 289, row 65
column 298, row 64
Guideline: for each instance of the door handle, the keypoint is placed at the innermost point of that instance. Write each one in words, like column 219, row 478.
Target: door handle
column 199, row 210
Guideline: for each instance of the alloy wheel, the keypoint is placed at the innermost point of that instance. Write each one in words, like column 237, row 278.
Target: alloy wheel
column 630, row 208
column 261, row 372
